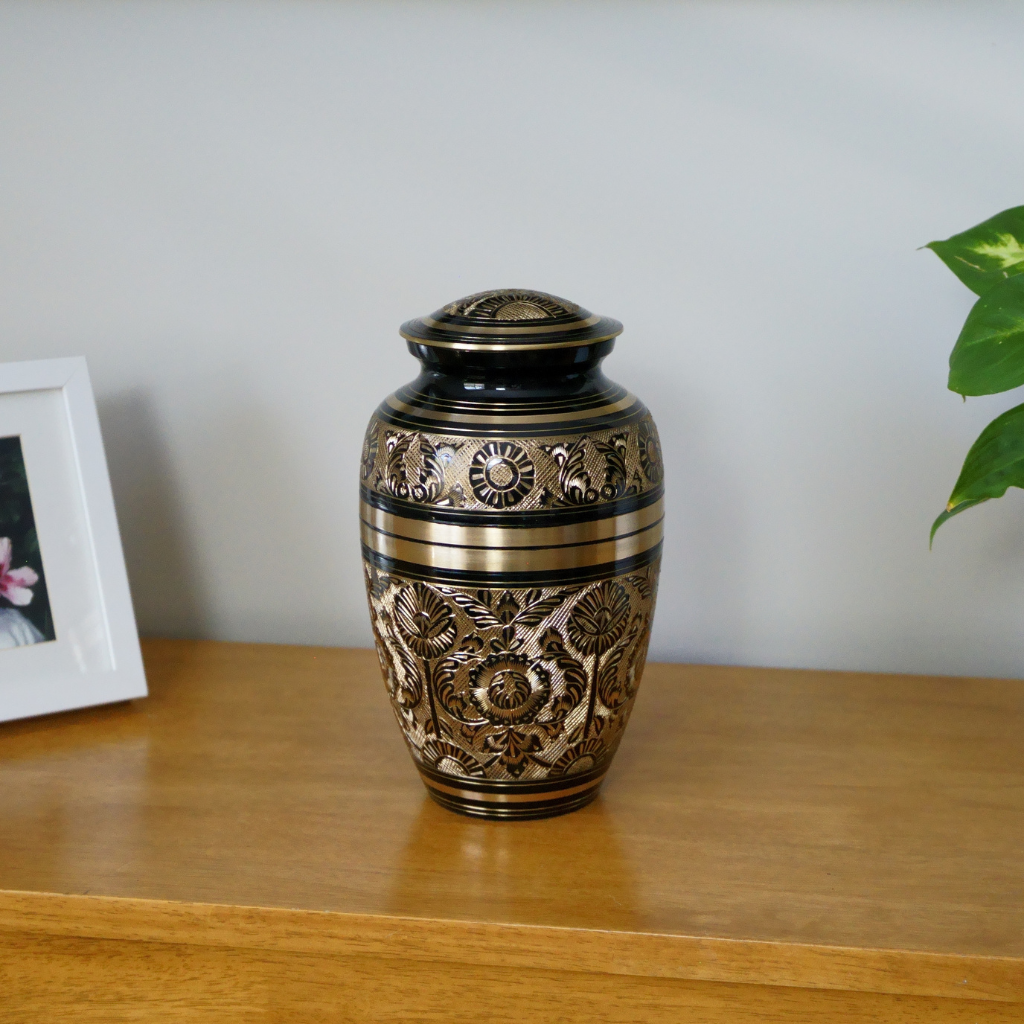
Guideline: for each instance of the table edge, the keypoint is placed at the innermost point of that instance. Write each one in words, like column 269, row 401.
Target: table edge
column 590, row 951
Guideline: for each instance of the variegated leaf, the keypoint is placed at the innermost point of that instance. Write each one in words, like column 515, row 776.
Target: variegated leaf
column 988, row 253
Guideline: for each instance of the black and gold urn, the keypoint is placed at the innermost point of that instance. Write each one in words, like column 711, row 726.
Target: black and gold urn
column 511, row 506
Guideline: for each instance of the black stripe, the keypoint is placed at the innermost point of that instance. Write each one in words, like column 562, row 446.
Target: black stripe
column 547, row 577
column 514, row 812
column 489, row 407
column 520, row 811
column 528, row 520
column 513, row 430
column 507, row 409
column 514, row 786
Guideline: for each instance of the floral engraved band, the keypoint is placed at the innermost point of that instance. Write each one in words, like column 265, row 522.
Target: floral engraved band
column 511, row 538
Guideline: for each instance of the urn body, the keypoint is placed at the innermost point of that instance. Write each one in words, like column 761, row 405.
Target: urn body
column 511, row 505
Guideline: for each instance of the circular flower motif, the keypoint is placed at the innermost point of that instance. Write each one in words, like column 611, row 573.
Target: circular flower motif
column 508, row 689
column 449, row 759
column 650, row 451
column 425, row 621
column 583, row 757
column 599, row 618
column 501, row 474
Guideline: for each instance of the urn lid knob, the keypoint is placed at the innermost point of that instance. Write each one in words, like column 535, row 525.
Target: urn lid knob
column 510, row 318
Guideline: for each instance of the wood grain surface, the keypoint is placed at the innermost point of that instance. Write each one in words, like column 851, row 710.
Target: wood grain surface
column 253, row 843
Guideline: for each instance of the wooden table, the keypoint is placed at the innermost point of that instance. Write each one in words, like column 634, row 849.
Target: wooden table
column 252, row 843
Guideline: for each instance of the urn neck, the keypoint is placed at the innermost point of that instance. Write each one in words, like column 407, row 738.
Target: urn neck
column 504, row 375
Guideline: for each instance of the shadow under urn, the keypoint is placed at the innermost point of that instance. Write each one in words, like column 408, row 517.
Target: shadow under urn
column 511, row 504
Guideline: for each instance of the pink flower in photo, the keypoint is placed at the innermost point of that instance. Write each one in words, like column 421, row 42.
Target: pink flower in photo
column 15, row 583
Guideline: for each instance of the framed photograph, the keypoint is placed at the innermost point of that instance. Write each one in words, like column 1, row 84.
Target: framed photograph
column 67, row 630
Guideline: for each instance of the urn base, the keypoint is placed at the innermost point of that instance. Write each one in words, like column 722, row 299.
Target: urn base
column 513, row 801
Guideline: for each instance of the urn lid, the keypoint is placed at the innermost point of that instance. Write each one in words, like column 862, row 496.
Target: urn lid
column 510, row 318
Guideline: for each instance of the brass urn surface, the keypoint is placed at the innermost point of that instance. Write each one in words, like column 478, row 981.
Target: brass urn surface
column 511, row 519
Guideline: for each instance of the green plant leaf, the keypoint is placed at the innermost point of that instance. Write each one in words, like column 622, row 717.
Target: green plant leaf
column 988, row 357
column 995, row 462
column 949, row 513
column 988, row 253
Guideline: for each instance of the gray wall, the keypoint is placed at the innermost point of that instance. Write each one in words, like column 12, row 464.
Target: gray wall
column 229, row 208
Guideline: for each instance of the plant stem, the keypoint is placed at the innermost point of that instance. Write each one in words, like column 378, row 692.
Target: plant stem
column 429, row 680
column 592, row 703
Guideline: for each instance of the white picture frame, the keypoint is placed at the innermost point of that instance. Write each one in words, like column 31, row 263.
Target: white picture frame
column 93, row 656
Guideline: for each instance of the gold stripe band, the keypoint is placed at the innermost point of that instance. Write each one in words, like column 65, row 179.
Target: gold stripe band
column 516, row 346
column 457, row 405
column 576, row 325
column 512, row 798
column 452, row 534
column 510, row 421
column 503, row 560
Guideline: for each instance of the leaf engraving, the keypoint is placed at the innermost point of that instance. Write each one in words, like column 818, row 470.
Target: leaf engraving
column 612, row 686
column 574, row 675
column 615, row 473
column 394, row 479
column 478, row 608
column 451, row 698
column 409, row 689
column 539, row 608
column 573, row 477
column 431, row 479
